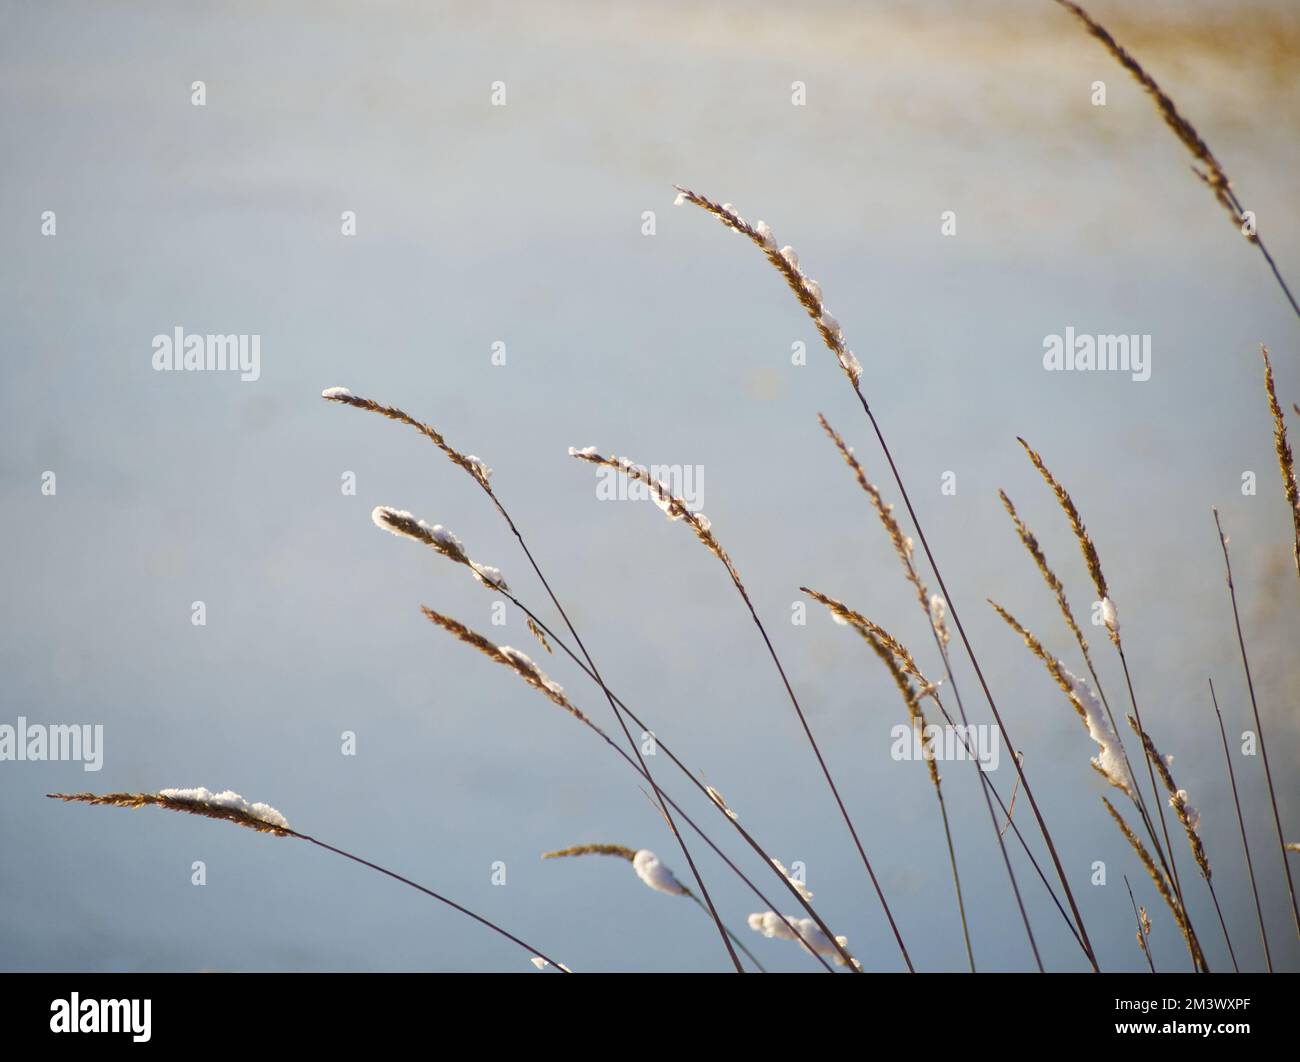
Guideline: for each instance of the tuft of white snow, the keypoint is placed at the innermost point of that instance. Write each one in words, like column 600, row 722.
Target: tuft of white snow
column 384, row 515
column 229, row 800
column 524, row 661
column 655, row 874
column 851, row 364
column 487, row 574
column 810, row 936
column 1109, row 615
column 716, row 797
column 586, row 451
column 1111, row 760
column 336, row 392
column 799, row 886
column 1193, row 816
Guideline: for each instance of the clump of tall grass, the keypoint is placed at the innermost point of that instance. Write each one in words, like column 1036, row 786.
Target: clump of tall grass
column 1151, row 846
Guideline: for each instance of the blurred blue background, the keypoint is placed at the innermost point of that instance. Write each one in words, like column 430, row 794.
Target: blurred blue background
column 523, row 224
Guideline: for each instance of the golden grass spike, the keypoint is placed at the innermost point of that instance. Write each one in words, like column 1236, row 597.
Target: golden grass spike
column 593, row 849
column 910, row 697
column 1213, row 175
column 1285, row 459
column 536, row 632
column 1030, row 541
column 468, row 462
column 859, row 621
column 902, row 543
column 1162, row 885
column 673, row 506
column 1177, row 799
column 252, row 822
column 1111, row 762
column 807, row 291
column 439, row 539
column 1086, row 546
column 1054, row 666
column 189, row 807
column 511, row 658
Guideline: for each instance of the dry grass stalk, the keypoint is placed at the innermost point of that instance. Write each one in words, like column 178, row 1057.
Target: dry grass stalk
column 468, row 462
column 676, row 509
column 536, row 632
column 935, row 609
column 1190, row 820
column 1054, row 667
column 900, row 663
column 1212, row 175
column 673, row 506
column 1285, row 460
column 1030, row 542
column 261, row 825
column 806, row 290
column 1111, row 763
column 1241, row 824
column 902, row 544
column 1093, row 562
column 910, row 698
column 511, row 658
column 616, row 850
column 1187, row 816
column 189, row 807
column 439, row 539
column 1015, row 790
column 1259, row 724
column 866, row 627
column 809, row 294
column 1163, row 886
column 1143, row 926
column 655, row 876
column 709, row 791
column 481, row 474
column 1086, row 546
column 477, row 641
